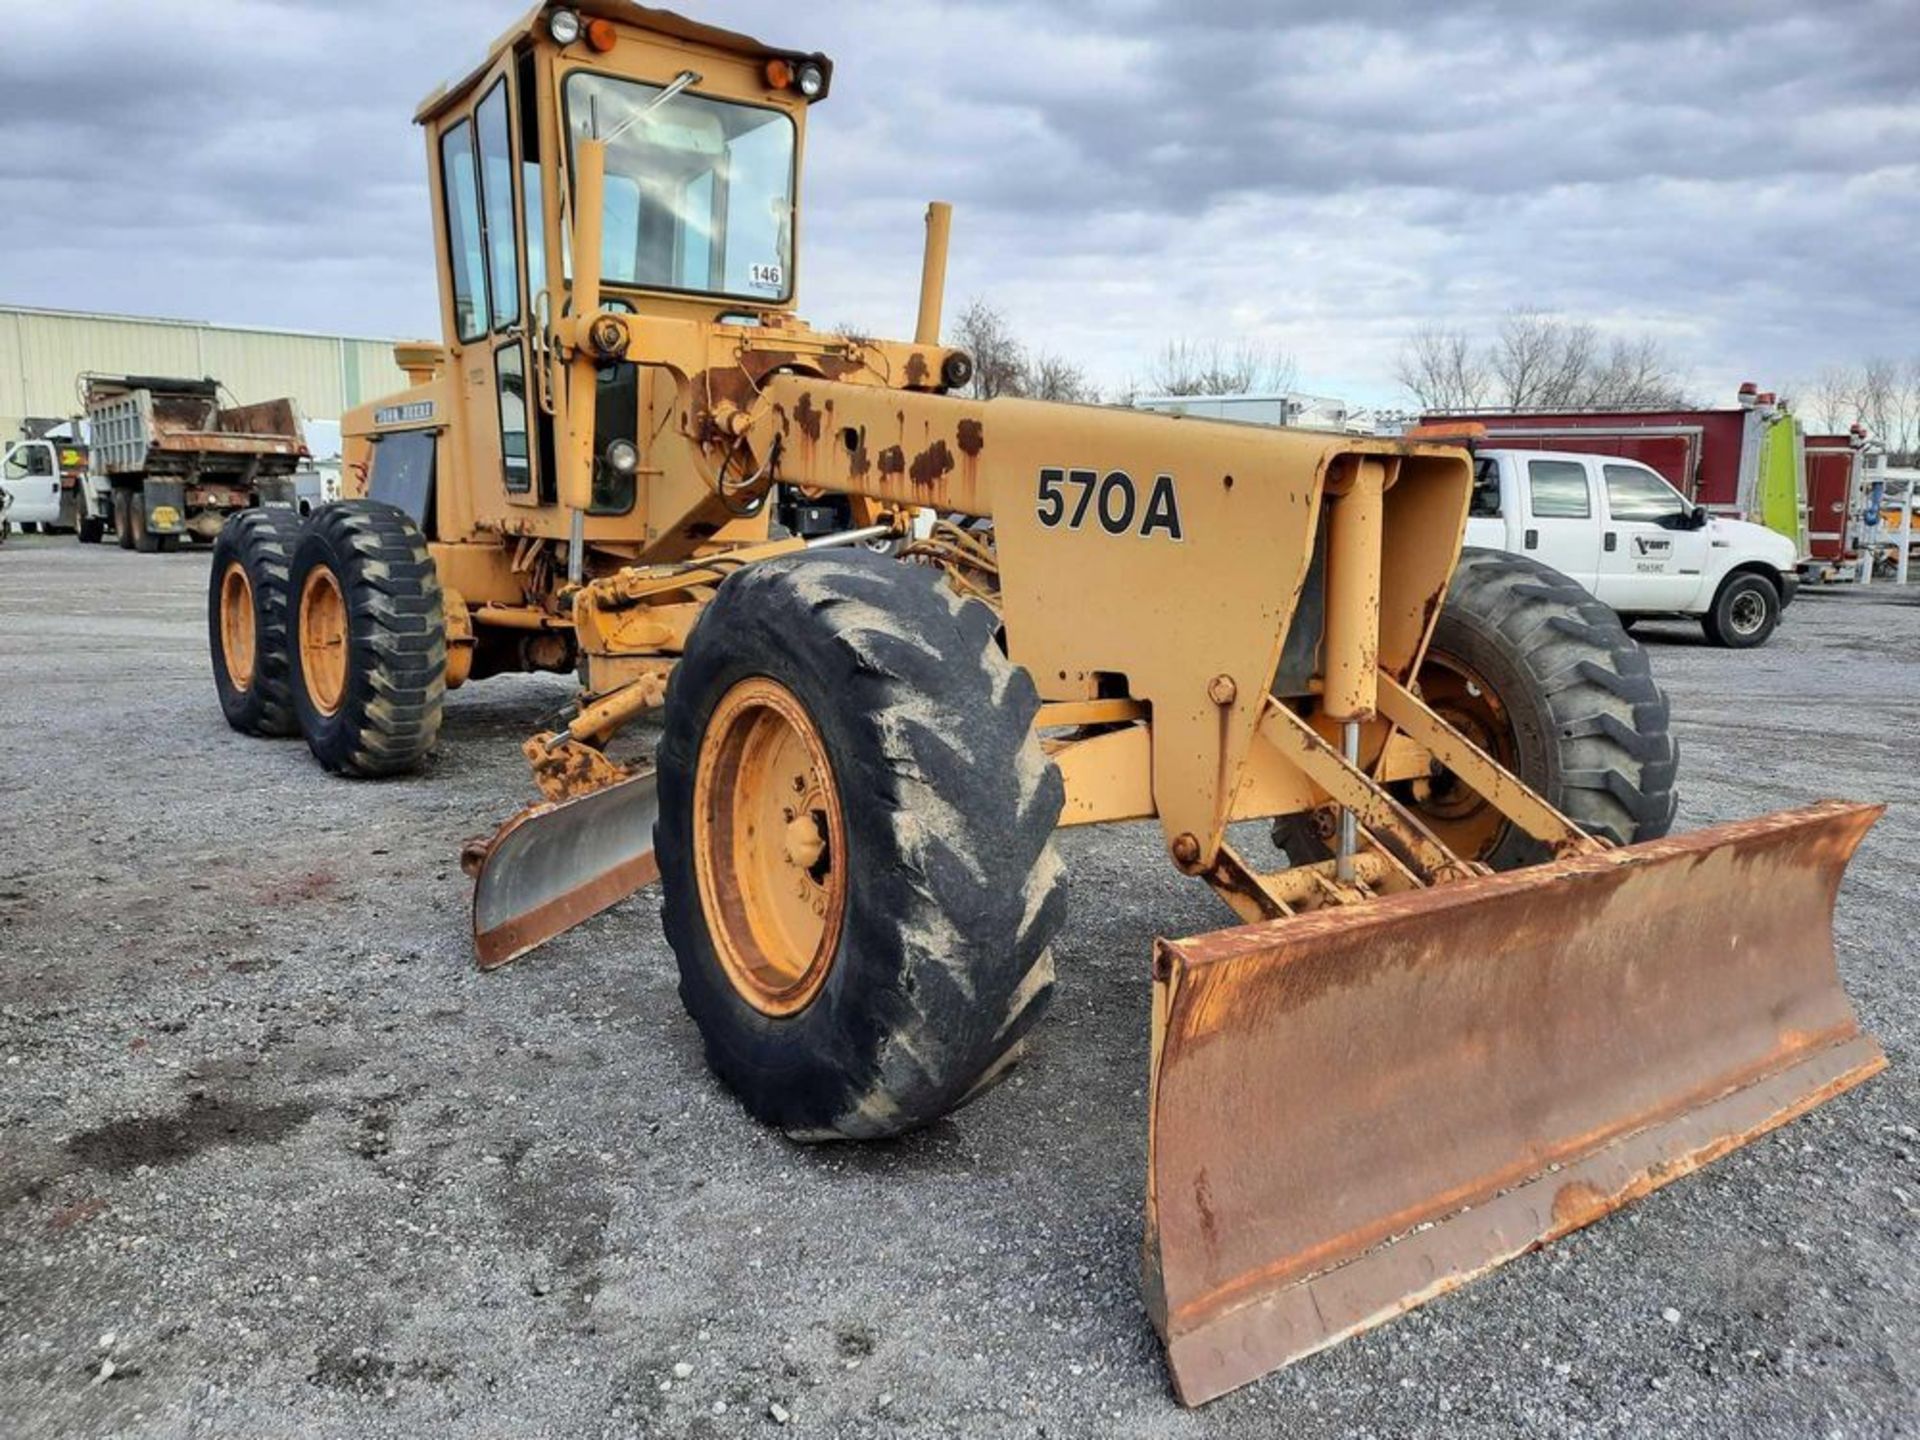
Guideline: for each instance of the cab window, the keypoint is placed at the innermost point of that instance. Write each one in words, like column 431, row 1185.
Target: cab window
column 510, row 366
column 29, row 460
column 496, row 197
column 1559, row 490
column 466, row 253
column 1486, row 489
column 699, row 191
column 1637, row 494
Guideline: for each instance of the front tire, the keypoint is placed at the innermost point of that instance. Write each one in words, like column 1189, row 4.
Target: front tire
column 369, row 649
column 1543, row 678
column 855, row 839
column 1745, row 612
column 248, row 621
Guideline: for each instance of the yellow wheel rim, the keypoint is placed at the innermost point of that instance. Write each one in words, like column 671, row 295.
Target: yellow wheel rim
column 323, row 640
column 769, row 847
column 236, row 626
column 1464, row 823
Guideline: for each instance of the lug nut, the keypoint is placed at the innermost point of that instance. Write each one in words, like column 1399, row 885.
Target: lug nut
column 1222, row 691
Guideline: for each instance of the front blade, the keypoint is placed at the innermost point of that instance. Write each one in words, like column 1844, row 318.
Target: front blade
column 552, row 866
column 1356, row 1110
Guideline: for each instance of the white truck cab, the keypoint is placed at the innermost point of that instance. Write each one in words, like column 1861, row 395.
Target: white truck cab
column 1632, row 540
column 30, row 473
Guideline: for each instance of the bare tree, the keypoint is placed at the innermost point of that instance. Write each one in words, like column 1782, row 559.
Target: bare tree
column 1831, row 402
column 999, row 360
column 1442, row 370
column 1050, row 377
column 1539, row 362
column 1536, row 361
column 1634, row 373
column 1188, row 367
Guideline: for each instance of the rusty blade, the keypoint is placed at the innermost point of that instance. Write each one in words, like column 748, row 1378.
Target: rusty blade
column 552, row 866
column 1356, row 1110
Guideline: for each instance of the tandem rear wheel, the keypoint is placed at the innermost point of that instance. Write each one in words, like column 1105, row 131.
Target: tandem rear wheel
column 368, row 647
column 247, row 621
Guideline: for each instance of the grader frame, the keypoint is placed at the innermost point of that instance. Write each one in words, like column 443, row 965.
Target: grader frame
column 1222, row 623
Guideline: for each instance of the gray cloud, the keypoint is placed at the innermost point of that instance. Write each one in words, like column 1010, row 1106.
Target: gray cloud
column 1737, row 177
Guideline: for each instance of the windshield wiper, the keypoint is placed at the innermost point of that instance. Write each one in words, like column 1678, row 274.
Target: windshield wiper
column 680, row 82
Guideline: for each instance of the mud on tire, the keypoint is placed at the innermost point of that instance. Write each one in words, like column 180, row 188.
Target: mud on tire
column 252, row 671
column 941, row 965
column 368, row 692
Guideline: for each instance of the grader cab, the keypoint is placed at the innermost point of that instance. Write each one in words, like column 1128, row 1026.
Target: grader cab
column 1477, row 999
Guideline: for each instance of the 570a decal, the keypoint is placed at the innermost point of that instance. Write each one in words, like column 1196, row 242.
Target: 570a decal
column 1112, row 501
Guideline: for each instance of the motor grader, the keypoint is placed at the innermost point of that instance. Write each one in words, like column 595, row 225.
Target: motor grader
column 1479, row 998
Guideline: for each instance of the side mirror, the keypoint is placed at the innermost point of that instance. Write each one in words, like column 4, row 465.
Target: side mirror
column 1698, row 518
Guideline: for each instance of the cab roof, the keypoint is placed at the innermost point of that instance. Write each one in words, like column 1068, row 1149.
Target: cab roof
column 641, row 17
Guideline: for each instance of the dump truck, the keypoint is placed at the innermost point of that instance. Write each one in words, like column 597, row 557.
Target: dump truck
column 1481, row 1000
column 169, row 461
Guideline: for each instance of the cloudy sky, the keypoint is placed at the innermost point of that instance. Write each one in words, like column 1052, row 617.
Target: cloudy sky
column 1738, row 177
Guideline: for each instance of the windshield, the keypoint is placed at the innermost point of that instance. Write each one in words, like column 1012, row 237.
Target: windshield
column 699, row 191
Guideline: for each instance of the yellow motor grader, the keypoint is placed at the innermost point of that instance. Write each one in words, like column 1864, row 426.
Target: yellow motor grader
column 1485, row 999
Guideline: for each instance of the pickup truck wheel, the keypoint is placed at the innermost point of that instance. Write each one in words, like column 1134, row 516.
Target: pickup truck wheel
column 1542, row 677
column 369, row 647
column 1744, row 613
column 247, row 621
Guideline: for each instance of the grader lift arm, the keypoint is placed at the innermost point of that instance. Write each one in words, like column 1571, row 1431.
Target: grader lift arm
column 1483, row 1004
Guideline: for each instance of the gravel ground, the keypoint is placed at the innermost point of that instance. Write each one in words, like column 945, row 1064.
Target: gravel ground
column 273, row 1152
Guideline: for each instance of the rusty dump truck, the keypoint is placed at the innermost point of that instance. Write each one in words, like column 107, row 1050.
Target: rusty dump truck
column 170, row 461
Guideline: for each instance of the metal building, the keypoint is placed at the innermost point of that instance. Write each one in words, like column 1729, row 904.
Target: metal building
column 42, row 351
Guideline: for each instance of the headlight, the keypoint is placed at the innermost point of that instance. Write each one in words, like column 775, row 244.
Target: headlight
column 810, row 79
column 623, row 457
column 564, row 26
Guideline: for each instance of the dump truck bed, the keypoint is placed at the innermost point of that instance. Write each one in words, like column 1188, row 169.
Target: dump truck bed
column 147, row 425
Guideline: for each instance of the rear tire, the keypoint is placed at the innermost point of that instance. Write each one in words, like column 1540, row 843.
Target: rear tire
column 1745, row 612
column 368, row 649
column 248, row 620
column 1574, row 712
column 123, row 519
column 144, row 540
column 948, row 889
column 91, row 531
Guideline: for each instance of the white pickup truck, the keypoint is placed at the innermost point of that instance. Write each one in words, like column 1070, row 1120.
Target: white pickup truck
column 1633, row 540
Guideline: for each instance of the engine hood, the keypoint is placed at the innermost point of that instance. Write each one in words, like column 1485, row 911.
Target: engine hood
column 1754, row 542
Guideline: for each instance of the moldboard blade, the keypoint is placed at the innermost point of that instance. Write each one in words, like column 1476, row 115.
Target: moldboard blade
column 1356, row 1110
column 552, row 866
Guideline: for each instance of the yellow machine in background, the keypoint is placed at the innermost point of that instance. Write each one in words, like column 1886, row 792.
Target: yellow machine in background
column 1481, row 1004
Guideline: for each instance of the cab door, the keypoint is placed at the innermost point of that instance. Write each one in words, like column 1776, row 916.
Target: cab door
column 33, row 480
column 490, row 279
column 1562, row 524
column 1652, row 556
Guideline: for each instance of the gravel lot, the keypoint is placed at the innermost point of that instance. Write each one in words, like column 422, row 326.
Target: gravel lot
column 273, row 1150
